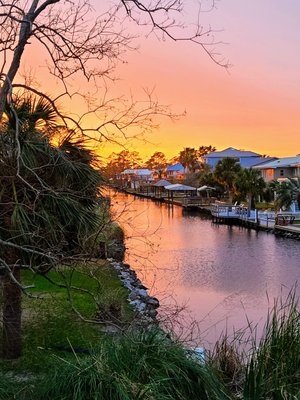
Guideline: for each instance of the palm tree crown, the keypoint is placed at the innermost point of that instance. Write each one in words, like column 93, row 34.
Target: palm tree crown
column 225, row 172
column 286, row 192
column 48, row 199
column 248, row 182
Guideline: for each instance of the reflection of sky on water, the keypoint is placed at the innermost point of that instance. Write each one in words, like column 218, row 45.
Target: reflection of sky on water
column 224, row 272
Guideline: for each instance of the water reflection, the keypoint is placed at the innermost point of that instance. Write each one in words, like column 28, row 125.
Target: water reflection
column 223, row 272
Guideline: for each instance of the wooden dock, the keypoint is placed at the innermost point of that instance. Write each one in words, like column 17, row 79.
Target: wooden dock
column 280, row 224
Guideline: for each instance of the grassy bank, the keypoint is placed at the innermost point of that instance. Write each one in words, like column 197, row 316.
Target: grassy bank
column 65, row 358
column 69, row 309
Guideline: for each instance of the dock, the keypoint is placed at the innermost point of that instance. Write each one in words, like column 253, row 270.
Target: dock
column 284, row 224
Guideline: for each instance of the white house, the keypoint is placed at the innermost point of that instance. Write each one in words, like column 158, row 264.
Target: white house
column 281, row 168
column 135, row 177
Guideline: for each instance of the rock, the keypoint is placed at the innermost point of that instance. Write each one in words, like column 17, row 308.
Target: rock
column 138, row 297
column 133, row 296
column 128, row 285
column 142, row 292
column 152, row 313
column 153, row 302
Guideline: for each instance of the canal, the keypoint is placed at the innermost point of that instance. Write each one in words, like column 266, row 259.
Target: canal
column 221, row 276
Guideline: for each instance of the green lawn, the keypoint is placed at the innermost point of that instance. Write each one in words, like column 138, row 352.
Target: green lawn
column 51, row 327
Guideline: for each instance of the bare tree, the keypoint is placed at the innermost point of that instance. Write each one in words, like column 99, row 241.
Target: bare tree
column 77, row 45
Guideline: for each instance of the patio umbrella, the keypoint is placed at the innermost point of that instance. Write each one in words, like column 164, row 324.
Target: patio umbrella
column 179, row 187
column 202, row 188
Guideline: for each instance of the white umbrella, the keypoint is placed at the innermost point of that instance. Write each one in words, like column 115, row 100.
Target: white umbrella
column 200, row 189
column 179, row 186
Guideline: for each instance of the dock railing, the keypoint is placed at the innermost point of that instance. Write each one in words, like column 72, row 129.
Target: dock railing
column 223, row 210
column 197, row 201
column 266, row 218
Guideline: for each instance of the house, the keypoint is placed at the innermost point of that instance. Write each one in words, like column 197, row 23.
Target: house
column 280, row 169
column 246, row 158
column 175, row 172
column 135, row 177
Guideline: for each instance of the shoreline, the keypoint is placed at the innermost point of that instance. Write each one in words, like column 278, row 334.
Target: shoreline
column 145, row 305
column 286, row 231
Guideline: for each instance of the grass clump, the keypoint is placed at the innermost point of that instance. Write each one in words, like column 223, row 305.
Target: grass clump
column 268, row 368
column 145, row 365
column 228, row 360
column 17, row 386
column 273, row 368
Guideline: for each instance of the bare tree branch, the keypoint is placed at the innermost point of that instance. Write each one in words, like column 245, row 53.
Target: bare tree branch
column 78, row 43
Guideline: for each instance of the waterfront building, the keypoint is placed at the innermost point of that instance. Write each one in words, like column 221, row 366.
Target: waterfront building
column 245, row 158
column 175, row 172
column 280, row 169
column 134, row 178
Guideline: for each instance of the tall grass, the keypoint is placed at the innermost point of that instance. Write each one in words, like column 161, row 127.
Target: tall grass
column 140, row 366
column 16, row 387
column 273, row 367
column 227, row 358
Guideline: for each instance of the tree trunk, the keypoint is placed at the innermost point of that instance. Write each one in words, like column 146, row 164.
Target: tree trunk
column 229, row 193
column 249, row 204
column 11, row 317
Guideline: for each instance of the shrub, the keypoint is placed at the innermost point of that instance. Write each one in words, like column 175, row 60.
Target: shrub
column 144, row 365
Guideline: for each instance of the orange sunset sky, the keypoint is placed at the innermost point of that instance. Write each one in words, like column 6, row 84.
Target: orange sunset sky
column 254, row 106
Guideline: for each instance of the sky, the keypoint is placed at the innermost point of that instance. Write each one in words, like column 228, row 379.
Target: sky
column 253, row 105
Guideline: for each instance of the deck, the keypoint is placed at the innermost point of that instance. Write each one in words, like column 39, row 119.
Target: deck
column 229, row 213
column 256, row 219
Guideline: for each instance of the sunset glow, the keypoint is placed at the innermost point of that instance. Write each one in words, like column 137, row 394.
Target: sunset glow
column 253, row 106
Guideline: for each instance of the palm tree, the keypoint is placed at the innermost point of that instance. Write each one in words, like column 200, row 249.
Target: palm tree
column 188, row 157
column 286, row 192
column 225, row 173
column 48, row 198
column 249, row 183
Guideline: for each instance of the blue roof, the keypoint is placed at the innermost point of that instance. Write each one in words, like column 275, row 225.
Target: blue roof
column 282, row 162
column 232, row 152
column 262, row 161
column 175, row 167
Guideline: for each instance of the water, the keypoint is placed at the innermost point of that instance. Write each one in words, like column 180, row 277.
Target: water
column 222, row 276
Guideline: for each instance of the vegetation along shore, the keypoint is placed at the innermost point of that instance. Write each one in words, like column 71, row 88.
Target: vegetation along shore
column 76, row 322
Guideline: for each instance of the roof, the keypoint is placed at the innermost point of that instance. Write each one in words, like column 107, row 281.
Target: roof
column 231, row 152
column 138, row 171
column 281, row 163
column 175, row 167
column 162, row 183
column 179, row 186
column 262, row 161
